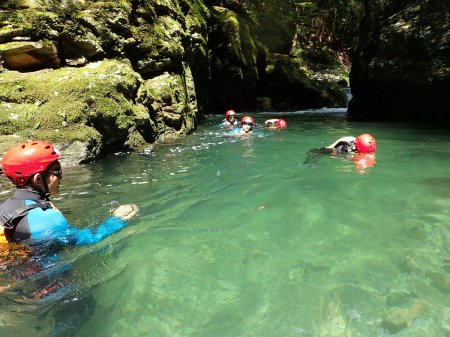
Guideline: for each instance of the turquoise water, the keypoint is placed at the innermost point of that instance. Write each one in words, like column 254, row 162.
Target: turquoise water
column 238, row 236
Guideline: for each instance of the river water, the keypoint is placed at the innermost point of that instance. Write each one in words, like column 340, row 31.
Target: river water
column 239, row 236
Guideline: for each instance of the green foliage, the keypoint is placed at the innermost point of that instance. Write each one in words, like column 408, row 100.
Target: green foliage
column 326, row 22
column 11, row 4
column 297, row 27
column 66, row 7
column 150, row 10
column 322, row 57
column 39, row 24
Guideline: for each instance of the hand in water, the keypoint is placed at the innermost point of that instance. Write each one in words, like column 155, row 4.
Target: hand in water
column 126, row 212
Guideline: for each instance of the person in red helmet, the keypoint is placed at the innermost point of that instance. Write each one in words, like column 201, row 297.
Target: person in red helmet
column 230, row 121
column 247, row 124
column 360, row 149
column 364, row 143
column 246, row 127
column 275, row 123
column 29, row 216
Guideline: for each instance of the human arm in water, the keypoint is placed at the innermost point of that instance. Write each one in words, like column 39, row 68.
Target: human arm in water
column 51, row 224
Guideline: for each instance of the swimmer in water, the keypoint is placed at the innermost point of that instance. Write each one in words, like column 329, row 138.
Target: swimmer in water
column 361, row 150
column 275, row 123
column 29, row 216
column 230, row 121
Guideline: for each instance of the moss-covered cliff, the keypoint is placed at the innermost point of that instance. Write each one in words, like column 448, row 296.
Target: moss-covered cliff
column 101, row 76
column 107, row 75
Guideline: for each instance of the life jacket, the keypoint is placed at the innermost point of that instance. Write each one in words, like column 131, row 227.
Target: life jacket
column 10, row 220
column 2, row 236
column 2, row 233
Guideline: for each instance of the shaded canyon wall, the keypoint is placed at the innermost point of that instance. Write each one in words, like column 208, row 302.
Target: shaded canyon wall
column 401, row 68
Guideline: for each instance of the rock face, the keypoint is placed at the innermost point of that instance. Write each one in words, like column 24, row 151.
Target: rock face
column 104, row 76
column 401, row 68
column 108, row 75
column 247, row 74
column 28, row 56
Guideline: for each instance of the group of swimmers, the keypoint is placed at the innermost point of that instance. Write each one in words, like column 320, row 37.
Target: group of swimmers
column 247, row 123
column 34, row 168
column 30, row 219
column 360, row 149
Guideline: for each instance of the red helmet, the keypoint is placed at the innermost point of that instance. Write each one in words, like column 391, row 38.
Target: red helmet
column 23, row 160
column 230, row 113
column 281, row 123
column 247, row 119
column 365, row 143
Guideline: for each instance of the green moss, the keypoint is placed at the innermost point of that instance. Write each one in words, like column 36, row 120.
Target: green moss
column 80, row 133
column 238, row 36
column 104, row 10
column 15, row 117
column 67, row 7
column 12, row 4
column 74, row 133
column 198, row 14
column 100, row 95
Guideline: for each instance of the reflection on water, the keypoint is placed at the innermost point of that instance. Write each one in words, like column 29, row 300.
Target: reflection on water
column 238, row 237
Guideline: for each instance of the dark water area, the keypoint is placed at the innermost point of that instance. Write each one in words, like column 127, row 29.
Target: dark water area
column 238, row 236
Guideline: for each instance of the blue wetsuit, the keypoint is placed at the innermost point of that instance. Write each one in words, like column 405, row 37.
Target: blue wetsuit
column 237, row 131
column 45, row 223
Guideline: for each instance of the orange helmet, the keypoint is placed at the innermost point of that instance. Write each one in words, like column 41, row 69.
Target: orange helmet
column 247, row 119
column 230, row 113
column 23, row 160
column 281, row 123
column 365, row 143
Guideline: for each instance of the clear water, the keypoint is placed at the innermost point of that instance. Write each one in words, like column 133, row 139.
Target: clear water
column 237, row 236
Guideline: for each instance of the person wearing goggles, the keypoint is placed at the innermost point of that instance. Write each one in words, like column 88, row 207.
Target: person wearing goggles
column 247, row 124
column 29, row 216
column 230, row 121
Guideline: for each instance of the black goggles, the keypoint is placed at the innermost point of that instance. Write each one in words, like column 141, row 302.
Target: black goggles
column 57, row 173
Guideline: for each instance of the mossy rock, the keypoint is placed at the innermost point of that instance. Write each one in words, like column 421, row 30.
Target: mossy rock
column 78, row 144
column 100, row 96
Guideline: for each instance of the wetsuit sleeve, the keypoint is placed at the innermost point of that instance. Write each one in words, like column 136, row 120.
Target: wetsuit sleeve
column 50, row 224
column 314, row 154
column 87, row 236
